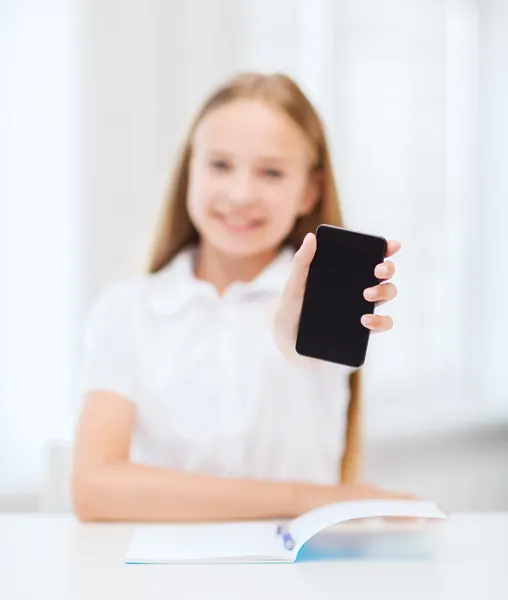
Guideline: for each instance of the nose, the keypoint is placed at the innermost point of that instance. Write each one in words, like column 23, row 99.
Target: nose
column 242, row 188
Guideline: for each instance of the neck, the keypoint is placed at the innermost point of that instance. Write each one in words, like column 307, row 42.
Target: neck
column 222, row 270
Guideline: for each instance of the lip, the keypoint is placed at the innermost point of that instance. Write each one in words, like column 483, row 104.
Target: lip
column 240, row 227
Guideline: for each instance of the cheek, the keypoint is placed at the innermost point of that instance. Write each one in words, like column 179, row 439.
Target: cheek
column 284, row 203
column 200, row 196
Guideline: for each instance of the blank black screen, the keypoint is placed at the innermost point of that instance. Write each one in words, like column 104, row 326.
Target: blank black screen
column 343, row 266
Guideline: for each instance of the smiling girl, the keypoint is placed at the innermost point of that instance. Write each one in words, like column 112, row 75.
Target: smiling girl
column 196, row 405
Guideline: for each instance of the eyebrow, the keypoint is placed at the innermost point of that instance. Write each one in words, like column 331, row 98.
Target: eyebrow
column 224, row 153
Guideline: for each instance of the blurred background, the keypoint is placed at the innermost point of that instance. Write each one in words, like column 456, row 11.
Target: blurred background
column 95, row 97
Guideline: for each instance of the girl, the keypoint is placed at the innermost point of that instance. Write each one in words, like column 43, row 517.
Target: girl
column 196, row 403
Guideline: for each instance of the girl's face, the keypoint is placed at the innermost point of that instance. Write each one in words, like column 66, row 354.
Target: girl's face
column 250, row 178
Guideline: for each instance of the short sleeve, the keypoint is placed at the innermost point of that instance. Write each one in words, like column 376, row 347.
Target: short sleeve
column 108, row 358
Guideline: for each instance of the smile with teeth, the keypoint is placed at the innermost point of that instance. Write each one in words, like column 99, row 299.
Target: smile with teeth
column 239, row 225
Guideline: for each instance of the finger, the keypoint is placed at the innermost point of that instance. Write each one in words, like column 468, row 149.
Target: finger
column 381, row 293
column 377, row 322
column 295, row 286
column 396, row 495
column 408, row 520
column 385, row 270
column 392, row 246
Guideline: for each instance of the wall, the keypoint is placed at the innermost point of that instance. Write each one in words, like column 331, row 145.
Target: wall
column 99, row 95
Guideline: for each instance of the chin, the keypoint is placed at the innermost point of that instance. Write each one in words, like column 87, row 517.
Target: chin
column 243, row 246
column 237, row 249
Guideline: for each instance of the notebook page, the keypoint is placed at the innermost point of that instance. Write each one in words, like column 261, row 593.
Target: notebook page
column 206, row 542
column 307, row 525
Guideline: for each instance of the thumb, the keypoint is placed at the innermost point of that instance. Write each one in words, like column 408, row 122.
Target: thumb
column 301, row 263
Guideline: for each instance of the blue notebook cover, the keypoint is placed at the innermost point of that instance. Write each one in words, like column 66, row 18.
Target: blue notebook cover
column 368, row 545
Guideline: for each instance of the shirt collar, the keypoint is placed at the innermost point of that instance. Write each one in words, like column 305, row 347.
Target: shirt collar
column 175, row 285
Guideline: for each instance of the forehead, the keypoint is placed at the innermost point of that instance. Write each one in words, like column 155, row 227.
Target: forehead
column 251, row 126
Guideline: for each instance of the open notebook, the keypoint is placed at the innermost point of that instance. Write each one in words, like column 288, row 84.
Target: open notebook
column 259, row 541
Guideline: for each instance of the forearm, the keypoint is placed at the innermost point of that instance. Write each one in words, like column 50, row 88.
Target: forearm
column 132, row 492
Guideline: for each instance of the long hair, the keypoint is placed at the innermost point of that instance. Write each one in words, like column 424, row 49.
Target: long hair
column 176, row 231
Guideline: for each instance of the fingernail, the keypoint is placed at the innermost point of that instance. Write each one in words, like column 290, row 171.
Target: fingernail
column 366, row 320
column 382, row 270
column 370, row 294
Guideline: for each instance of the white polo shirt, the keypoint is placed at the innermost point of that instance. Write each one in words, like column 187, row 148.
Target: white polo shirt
column 211, row 391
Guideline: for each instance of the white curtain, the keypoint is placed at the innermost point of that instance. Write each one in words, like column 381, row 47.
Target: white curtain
column 39, row 235
column 100, row 94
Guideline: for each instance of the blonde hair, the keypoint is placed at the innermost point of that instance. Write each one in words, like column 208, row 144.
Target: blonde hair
column 176, row 231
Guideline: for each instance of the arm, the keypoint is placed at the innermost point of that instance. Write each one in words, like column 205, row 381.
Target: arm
column 351, row 463
column 106, row 486
column 284, row 322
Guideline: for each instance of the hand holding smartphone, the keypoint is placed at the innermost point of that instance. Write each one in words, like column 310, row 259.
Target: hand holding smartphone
column 330, row 328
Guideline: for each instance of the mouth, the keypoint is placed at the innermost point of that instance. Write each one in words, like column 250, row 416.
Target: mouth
column 239, row 225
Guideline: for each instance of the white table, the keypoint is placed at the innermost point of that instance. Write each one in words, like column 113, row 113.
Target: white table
column 55, row 557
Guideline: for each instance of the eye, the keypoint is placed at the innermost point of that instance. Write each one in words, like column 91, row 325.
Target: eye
column 273, row 173
column 220, row 165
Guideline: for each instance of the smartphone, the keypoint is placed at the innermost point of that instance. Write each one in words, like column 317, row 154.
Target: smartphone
column 343, row 266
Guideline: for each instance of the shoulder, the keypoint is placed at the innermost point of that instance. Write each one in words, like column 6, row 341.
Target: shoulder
column 118, row 310
column 123, row 295
column 141, row 293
